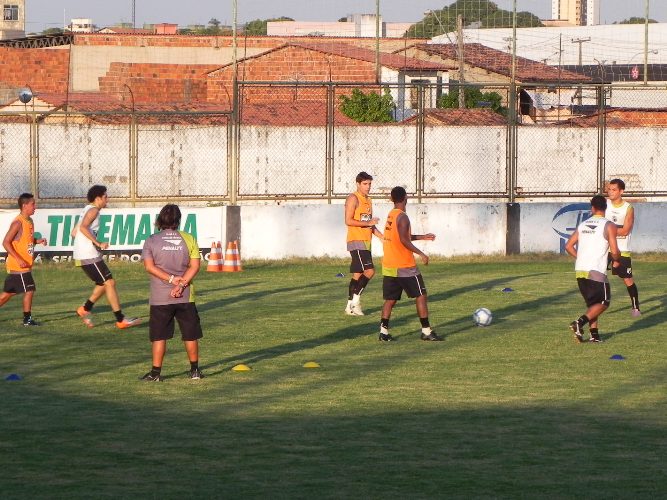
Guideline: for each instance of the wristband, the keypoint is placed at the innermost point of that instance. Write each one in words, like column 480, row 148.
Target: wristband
column 171, row 279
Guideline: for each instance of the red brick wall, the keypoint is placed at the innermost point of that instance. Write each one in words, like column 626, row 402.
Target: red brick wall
column 158, row 82
column 290, row 64
column 44, row 70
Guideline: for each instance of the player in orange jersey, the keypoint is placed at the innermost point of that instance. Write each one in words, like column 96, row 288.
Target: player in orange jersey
column 360, row 230
column 19, row 242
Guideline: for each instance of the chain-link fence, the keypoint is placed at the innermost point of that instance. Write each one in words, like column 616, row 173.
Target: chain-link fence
column 297, row 141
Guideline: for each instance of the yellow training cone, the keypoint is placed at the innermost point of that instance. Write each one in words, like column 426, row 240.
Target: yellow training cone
column 311, row 364
column 241, row 368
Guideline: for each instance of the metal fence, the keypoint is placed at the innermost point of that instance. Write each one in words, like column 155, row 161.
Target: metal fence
column 290, row 141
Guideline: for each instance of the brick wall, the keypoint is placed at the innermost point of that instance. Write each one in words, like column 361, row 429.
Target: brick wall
column 158, row 82
column 44, row 70
column 289, row 64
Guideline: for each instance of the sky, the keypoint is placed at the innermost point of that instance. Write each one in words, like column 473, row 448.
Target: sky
column 42, row 14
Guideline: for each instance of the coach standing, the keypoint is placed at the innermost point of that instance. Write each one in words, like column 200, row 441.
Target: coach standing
column 172, row 259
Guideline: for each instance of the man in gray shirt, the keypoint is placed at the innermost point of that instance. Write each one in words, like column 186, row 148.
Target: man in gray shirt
column 172, row 259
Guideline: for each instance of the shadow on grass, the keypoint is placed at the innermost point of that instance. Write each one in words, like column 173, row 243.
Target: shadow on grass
column 57, row 445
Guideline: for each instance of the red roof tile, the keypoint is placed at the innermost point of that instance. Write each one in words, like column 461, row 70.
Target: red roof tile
column 497, row 61
column 461, row 117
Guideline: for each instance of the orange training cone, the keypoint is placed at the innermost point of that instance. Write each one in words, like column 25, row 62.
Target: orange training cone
column 232, row 263
column 215, row 259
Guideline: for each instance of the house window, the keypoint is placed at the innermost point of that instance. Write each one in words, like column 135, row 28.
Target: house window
column 11, row 13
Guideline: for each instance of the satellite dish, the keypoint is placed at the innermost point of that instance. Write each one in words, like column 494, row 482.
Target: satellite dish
column 25, row 96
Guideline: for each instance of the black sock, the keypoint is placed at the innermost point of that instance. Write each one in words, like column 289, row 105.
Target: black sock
column 156, row 370
column 634, row 296
column 194, row 365
column 384, row 322
column 88, row 306
column 594, row 331
column 351, row 288
column 424, row 322
column 119, row 315
column 26, row 315
column 361, row 284
column 583, row 320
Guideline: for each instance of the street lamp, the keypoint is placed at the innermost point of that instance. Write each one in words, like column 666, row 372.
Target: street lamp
column 641, row 52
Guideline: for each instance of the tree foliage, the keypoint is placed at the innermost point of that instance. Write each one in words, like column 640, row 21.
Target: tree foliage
column 484, row 12
column 368, row 108
column 474, row 98
column 635, row 20
column 258, row 26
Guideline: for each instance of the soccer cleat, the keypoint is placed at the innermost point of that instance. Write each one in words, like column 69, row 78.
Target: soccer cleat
column 348, row 309
column 356, row 310
column 431, row 337
column 576, row 329
column 149, row 377
column 595, row 338
column 636, row 313
column 30, row 322
column 86, row 317
column 127, row 323
column 385, row 337
column 196, row 374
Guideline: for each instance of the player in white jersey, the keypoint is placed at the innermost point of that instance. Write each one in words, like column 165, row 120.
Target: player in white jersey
column 88, row 256
column 622, row 214
column 591, row 243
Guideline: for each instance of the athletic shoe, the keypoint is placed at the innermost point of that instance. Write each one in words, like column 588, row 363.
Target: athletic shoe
column 30, row 322
column 196, row 374
column 86, row 317
column 576, row 329
column 431, row 337
column 348, row 309
column 149, row 377
column 127, row 322
column 636, row 313
column 385, row 337
column 595, row 338
column 356, row 310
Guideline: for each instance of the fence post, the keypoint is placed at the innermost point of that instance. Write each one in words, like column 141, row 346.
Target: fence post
column 134, row 159
column 512, row 238
column 419, row 164
column 34, row 156
column 602, row 137
column 330, row 135
column 232, row 164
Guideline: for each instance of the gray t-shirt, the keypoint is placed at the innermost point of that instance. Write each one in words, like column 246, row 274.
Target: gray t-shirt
column 171, row 251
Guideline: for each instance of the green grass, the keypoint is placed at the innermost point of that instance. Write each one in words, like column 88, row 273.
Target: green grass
column 513, row 410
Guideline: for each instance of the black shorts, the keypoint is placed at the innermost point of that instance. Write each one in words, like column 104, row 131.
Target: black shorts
column 98, row 272
column 594, row 292
column 624, row 270
column 361, row 260
column 393, row 286
column 20, row 283
column 161, row 321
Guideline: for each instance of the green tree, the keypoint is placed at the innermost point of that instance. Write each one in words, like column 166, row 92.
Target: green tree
column 635, row 20
column 258, row 26
column 474, row 98
column 484, row 12
column 368, row 108
column 52, row 31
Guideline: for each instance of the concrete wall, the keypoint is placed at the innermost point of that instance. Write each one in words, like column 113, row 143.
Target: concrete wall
column 318, row 231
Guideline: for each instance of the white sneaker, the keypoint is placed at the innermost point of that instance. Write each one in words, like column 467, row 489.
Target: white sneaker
column 356, row 310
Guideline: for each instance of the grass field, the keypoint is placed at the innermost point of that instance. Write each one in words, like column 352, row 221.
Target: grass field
column 513, row 410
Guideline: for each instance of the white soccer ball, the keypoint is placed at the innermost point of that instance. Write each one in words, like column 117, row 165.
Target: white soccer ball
column 482, row 317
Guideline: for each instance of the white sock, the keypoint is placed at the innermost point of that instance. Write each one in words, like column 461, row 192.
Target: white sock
column 355, row 299
column 383, row 330
column 427, row 330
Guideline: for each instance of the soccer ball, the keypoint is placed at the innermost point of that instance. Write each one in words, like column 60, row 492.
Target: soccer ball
column 482, row 317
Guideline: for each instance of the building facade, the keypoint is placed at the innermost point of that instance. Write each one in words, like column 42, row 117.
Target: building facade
column 576, row 12
column 12, row 24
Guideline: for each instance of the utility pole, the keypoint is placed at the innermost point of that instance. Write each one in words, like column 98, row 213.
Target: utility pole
column 378, row 71
column 134, row 13
column 462, row 81
column 580, row 41
column 646, row 45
